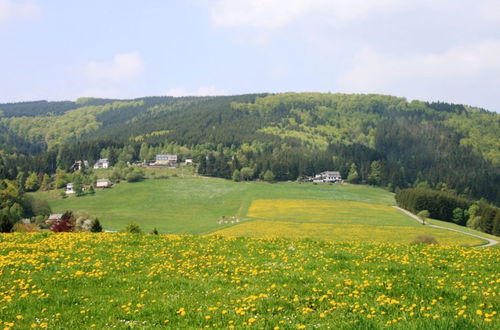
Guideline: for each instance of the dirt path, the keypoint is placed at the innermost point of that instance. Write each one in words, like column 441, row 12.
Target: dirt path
column 491, row 242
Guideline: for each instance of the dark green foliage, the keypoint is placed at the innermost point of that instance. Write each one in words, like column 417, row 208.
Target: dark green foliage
column 155, row 231
column 449, row 207
column 135, row 175
column 394, row 143
column 6, row 224
column 96, row 226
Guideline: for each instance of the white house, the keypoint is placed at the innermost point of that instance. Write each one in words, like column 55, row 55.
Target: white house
column 166, row 159
column 79, row 164
column 188, row 162
column 103, row 183
column 102, row 163
column 69, row 188
column 327, row 176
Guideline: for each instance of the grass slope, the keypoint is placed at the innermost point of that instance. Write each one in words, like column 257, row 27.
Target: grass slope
column 194, row 205
column 105, row 281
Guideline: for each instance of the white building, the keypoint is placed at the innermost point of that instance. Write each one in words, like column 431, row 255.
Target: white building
column 166, row 159
column 327, row 176
column 103, row 183
column 69, row 188
column 188, row 162
column 102, row 163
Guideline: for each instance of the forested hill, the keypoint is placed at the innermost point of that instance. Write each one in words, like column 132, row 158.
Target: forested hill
column 378, row 139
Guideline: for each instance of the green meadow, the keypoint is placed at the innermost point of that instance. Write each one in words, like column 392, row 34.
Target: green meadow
column 193, row 205
column 186, row 204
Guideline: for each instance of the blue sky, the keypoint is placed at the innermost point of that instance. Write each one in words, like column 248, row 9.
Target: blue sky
column 446, row 50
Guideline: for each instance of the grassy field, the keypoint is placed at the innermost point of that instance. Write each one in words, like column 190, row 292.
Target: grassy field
column 336, row 220
column 79, row 280
column 195, row 205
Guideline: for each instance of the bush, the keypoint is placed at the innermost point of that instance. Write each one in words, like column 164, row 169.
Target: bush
column 155, row 231
column 5, row 224
column 132, row 228
column 269, row 176
column 65, row 224
column 135, row 176
column 26, row 227
column 425, row 239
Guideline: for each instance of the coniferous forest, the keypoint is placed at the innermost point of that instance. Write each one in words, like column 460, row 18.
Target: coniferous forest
column 379, row 140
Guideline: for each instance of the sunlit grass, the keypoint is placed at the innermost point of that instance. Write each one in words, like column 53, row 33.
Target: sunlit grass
column 102, row 281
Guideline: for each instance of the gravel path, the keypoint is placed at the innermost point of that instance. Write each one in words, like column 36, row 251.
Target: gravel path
column 491, row 242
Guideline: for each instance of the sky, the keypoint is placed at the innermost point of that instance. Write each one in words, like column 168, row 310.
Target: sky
column 431, row 50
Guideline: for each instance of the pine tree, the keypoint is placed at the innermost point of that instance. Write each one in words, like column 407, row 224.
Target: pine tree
column 96, row 226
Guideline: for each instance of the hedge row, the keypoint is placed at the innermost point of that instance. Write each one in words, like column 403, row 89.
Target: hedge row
column 441, row 205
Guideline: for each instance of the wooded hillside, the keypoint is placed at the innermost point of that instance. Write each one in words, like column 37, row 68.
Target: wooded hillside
column 376, row 139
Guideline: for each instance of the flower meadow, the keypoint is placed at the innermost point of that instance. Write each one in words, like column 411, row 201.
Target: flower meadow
column 83, row 280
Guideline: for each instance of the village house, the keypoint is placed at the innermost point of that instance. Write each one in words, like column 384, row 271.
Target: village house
column 188, row 162
column 103, row 183
column 52, row 219
column 102, row 163
column 166, row 160
column 327, row 176
column 69, row 189
column 79, row 165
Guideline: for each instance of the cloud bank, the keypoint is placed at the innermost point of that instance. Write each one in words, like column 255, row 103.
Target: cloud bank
column 201, row 91
column 14, row 10
column 122, row 67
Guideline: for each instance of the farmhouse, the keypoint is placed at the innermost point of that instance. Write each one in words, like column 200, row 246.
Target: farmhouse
column 53, row 218
column 166, row 160
column 103, row 183
column 327, row 176
column 102, row 163
column 79, row 165
column 188, row 162
column 69, row 188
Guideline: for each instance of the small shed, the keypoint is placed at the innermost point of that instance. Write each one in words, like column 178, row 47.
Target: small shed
column 69, row 188
column 103, row 183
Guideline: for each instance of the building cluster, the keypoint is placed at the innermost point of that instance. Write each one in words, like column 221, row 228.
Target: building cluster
column 327, row 176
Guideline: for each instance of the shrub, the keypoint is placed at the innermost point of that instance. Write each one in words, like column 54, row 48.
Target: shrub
column 132, row 228
column 26, row 227
column 155, row 231
column 425, row 239
column 269, row 176
column 65, row 224
column 5, row 224
column 135, row 176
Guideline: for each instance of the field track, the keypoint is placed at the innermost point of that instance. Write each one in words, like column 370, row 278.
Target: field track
column 491, row 242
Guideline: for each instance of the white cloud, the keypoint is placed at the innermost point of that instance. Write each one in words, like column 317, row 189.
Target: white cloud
column 456, row 71
column 121, row 67
column 12, row 10
column 201, row 91
column 273, row 14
